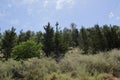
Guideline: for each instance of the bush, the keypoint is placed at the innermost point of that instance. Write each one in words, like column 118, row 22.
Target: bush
column 26, row 50
column 74, row 66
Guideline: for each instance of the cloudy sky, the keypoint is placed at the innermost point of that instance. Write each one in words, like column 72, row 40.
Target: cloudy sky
column 33, row 14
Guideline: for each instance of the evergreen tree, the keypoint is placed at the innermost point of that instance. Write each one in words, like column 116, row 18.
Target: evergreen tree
column 24, row 36
column 60, row 46
column 8, row 42
column 39, row 37
column 48, row 43
column 84, row 42
column 67, row 36
column 115, row 36
column 99, row 38
column 108, row 36
column 21, row 37
column 0, row 41
column 74, row 35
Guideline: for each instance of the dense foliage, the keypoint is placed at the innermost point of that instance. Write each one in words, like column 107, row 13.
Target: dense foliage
column 57, row 54
column 56, row 42
column 8, row 42
column 73, row 66
column 26, row 50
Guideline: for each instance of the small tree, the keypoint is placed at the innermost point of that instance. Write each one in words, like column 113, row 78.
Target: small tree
column 26, row 50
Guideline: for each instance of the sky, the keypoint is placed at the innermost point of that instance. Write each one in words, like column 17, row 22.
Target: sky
column 34, row 14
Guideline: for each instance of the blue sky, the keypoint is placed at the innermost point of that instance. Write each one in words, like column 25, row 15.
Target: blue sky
column 34, row 14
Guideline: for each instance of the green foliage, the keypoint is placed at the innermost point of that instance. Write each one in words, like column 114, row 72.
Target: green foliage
column 26, row 50
column 74, row 35
column 56, row 42
column 74, row 66
column 48, row 43
column 24, row 36
column 39, row 37
column 8, row 42
column 98, row 38
column 84, row 41
column 0, row 42
column 59, row 45
column 67, row 36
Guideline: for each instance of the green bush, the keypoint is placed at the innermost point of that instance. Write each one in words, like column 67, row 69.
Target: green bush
column 26, row 50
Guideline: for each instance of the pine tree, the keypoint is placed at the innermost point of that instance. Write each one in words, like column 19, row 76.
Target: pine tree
column 39, row 37
column 67, row 36
column 108, row 36
column 74, row 35
column 48, row 43
column 8, row 42
column 60, row 45
column 24, row 36
column 84, row 42
column 115, row 36
column 0, row 35
column 99, row 38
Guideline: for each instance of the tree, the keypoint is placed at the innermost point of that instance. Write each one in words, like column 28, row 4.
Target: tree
column 67, row 36
column 24, row 36
column 60, row 46
column 0, row 41
column 8, row 42
column 84, row 42
column 48, row 43
column 21, row 37
column 99, row 38
column 108, row 36
column 39, row 37
column 74, row 35
column 26, row 50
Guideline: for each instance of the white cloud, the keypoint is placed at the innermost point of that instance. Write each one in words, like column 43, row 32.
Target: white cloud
column 111, row 15
column 63, row 3
column 114, row 16
column 59, row 4
column 14, row 22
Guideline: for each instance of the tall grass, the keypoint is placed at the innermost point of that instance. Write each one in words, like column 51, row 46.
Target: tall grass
column 74, row 66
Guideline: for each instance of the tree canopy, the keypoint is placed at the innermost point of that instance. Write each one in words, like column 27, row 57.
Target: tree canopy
column 57, row 42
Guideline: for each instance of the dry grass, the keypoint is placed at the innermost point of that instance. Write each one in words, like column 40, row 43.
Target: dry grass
column 74, row 66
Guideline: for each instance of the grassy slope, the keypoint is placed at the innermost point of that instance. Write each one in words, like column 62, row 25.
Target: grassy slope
column 73, row 66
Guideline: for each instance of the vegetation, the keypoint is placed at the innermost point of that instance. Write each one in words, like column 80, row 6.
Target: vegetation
column 74, row 66
column 26, row 50
column 57, row 42
column 8, row 42
column 69, row 54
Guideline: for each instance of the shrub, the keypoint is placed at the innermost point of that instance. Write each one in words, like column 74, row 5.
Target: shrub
column 74, row 66
column 26, row 50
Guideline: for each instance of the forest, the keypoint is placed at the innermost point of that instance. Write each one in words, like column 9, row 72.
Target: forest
column 88, row 53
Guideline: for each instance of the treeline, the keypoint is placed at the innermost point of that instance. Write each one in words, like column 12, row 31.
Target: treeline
column 56, row 42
